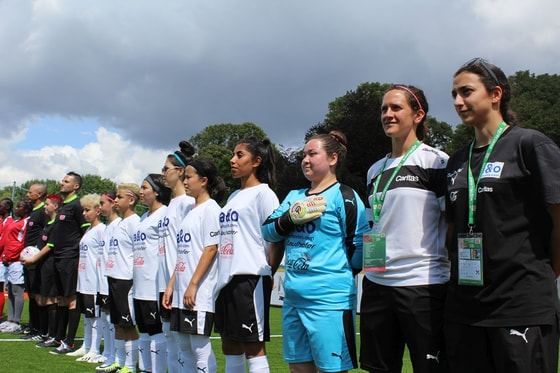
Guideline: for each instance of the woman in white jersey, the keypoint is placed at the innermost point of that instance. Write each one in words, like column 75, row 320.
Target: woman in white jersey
column 193, row 284
column 147, row 242
column 173, row 173
column 119, row 272
column 87, row 287
column 108, row 210
column 244, row 273
column 407, row 273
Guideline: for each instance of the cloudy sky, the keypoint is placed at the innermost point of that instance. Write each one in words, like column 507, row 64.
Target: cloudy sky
column 110, row 87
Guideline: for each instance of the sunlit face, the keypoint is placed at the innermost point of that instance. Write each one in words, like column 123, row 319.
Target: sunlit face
column 33, row 193
column 147, row 194
column 91, row 213
column 124, row 200
column 106, row 206
column 50, row 207
column 171, row 174
column 397, row 117
column 472, row 102
column 316, row 164
column 242, row 162
column 67, row 185
column 193, row 183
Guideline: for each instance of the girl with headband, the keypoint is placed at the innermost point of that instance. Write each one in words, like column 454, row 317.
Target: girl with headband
column 503, row 203
column 119, row 271
column 173, row 173
column 193, row 285
column 405, row 258
column 108, row 210
column 147, row 242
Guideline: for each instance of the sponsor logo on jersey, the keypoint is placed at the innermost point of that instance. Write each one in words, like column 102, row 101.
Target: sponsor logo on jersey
column 485, row 189
column 62, row 217
column 493, row 170
column 411, row 178
column 231, row 215
column 180, row 266
column 453, row 175
column 139, row 261
column 226, row 250
column 82, row 266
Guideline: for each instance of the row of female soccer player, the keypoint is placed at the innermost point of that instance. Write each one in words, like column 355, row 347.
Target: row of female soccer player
column 481, row 298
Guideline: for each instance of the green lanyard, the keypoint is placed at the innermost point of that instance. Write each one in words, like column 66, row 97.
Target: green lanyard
column 474, row 186
column 378, row 203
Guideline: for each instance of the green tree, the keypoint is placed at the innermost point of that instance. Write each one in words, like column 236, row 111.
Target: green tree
column 439, row 134
column 217, row 142
column 536, row 101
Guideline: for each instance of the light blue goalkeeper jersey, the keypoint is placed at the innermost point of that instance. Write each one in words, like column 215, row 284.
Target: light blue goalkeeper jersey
column 321, row 255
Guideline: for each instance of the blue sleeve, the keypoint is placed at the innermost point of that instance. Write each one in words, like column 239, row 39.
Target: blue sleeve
column 269, row 228
column 356, row 225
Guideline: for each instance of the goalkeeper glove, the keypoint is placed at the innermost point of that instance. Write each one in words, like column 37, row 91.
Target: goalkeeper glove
column 301, row 212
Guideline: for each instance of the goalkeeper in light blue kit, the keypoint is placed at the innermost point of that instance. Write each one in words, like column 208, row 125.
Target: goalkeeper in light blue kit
column 322, row 228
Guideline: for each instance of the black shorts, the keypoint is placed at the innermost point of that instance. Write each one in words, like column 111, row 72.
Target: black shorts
column 48, row 278
column 87, row 305
column 244, row 300
column 192, row 322
column 163, row 312
column 32, row 278
column 66, row 276
column 120, row 302
column 502, row 349
column 102, row 300
column 391, row 317
column 147, row 316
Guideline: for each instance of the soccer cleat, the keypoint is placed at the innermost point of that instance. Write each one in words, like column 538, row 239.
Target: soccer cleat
column 63, row 349
column 5, row 325
column 98, row 359
column 79, row 352
column 113, row 368
column 18, row 329
column 125, row 370
column 87, row 357
column 11, row 328
column 50, row 342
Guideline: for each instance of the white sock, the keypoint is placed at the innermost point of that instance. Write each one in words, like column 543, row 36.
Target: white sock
column 187, row 356
column 120, row 352
column 235, row 363
column 87, row 333
column 258, row 364
column 173, row 355
column 108, row 338
column 159, row 353
column 144, row 357
column 96, row 334
column 205, row 358
column 131, row 348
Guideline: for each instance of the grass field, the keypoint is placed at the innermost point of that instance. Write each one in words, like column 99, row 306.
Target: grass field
column 22, row 356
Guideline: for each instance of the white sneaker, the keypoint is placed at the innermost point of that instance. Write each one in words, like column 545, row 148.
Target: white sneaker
column 87, row 357
column 98, row 359
column 79, row 352
column 6, row 325
column 10, row 328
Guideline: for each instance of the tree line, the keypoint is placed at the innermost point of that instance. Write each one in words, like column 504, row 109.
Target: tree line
column 536, row 100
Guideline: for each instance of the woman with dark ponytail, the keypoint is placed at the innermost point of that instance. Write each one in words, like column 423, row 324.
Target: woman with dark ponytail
column 173, row 173
column 244, row 273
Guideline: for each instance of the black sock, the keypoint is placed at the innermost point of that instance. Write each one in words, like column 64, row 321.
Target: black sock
column 62, row 323
column 43, row 320
column 33, row 314
column 53, row 318
column 73, row 322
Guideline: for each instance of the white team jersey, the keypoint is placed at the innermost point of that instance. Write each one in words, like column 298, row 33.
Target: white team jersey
column 413, row 220
column 178, row 208
column 87, row 267
column 119, row 256
column 147, row 243
column 199, row 229
column 102, row 256
column 243, row 251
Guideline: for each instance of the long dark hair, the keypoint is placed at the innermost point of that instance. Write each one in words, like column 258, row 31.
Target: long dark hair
column 262, row 148
column 215, row 186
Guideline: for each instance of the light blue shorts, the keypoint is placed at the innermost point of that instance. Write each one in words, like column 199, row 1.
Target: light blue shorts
column 325, row 337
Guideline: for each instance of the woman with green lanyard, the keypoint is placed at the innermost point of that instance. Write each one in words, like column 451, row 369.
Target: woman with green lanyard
column 405, row 259
column 503, row 209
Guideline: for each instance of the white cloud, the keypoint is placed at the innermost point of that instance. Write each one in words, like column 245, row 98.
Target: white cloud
column 110, row 157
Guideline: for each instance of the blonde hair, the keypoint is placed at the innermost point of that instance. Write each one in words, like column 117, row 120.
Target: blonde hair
column 92, row 200
column 133, row 188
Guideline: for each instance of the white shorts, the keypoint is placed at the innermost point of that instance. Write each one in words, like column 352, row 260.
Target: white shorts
column 14, row 273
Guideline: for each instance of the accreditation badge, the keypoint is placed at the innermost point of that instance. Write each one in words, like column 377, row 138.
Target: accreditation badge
column 374, row 252
column 469, row 253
